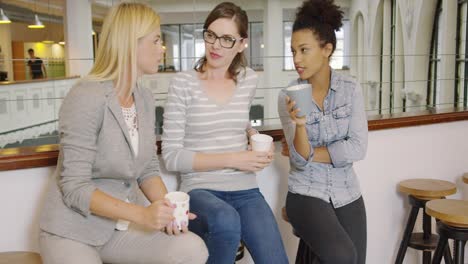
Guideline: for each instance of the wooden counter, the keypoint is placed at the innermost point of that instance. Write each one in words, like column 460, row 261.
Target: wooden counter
column 38, row 80
column 46, row 155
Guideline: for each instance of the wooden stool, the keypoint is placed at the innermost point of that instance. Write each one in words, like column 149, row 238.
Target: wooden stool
column 240, row 252
column 453, row 224
column 465, row 177
column 419, row 192
column 20, row 257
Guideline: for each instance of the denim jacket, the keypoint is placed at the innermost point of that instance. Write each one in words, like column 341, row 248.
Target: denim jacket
column 342, row 127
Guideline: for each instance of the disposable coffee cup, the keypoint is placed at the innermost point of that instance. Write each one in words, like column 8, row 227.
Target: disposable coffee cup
column 181, row 201
column 261, row 142
column 302, row 95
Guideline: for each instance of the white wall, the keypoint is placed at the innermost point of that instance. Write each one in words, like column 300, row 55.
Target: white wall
column 22, row 193
column 437, row 151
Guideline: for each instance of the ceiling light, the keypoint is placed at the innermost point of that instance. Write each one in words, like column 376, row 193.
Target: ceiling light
column 37, row 23
column 3, row 18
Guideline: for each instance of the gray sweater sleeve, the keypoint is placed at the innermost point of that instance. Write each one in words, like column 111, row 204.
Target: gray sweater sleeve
column 152, row 168
column 175, row 157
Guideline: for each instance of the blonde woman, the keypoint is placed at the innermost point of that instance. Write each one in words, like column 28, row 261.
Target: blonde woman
column 107, row 153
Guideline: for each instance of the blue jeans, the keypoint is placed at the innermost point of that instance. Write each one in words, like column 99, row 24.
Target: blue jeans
column 225, row 218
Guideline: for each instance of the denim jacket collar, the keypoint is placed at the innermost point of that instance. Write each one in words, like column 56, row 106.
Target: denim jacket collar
column 335, row 80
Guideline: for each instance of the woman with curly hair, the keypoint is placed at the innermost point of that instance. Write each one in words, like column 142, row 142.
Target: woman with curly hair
column 324, row 203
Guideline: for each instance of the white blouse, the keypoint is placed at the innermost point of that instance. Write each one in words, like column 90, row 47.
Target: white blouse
column 131, row 119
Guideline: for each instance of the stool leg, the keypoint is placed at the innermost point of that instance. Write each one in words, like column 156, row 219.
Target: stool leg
column 407, row 235
column 426, row 235
column 447, row 255
column 441, row 246
column 459, row 251
column 427, row 257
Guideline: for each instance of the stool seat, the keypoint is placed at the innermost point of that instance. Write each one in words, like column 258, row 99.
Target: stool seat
column 465, row 177
column 20, row 257
column 427, row 188
column 452, row 212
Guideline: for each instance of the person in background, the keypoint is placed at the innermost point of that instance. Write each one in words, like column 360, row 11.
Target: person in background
column 205, row 137
column 36, row 66
column 3, row 72
column 92, row 213
column 324, row 203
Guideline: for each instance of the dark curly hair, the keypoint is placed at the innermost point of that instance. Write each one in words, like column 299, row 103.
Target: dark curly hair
column 323, row 17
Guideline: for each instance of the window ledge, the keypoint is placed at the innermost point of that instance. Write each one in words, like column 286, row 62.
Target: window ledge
column 46, row 155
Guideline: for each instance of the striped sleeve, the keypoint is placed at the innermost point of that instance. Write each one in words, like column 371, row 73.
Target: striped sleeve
column 250, row 82
column 175, row 156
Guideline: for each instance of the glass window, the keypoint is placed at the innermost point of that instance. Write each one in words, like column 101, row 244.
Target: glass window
column 184, row 45
column 192, row 45
column 287, row 33
column 462, row 86
column 254, row 51
column 171, row 43
column 337, row 57
column 434, row 59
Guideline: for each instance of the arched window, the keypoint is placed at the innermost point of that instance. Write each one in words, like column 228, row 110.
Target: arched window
column 461, row 63
column 434, row 58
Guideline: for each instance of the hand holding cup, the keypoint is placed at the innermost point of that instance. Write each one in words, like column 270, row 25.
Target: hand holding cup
column 180, row 201
column 299, row 102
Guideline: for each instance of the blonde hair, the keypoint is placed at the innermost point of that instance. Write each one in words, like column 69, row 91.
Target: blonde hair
column 116, row 55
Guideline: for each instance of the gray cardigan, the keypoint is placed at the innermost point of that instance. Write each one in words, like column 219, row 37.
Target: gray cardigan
column 95, row 153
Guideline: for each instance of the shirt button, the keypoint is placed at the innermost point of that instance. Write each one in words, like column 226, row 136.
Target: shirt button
column 126, row 184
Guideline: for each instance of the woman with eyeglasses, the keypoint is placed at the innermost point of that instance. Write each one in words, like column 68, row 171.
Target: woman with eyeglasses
column 205, row 137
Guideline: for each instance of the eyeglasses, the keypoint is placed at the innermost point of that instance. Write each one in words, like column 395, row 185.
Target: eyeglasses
column 225, row 41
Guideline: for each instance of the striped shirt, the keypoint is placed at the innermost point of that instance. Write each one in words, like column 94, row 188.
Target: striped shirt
column 193, row 123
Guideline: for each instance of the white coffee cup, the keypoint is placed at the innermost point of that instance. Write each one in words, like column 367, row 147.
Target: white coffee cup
column 261, row 142
column 181, row 201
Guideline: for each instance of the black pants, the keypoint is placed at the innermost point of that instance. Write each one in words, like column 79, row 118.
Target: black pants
column 328, row 235
column 37, row 75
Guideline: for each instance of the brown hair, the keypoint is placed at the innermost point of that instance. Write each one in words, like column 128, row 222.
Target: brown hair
column 239, row 16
